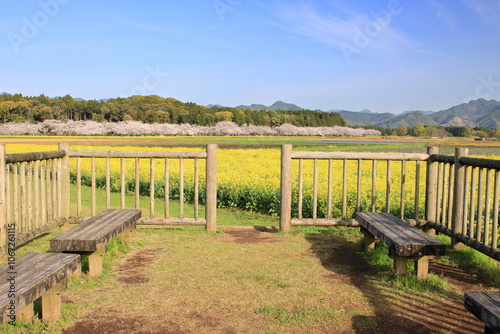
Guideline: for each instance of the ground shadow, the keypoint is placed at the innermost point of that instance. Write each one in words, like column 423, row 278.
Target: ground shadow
column 396, row 310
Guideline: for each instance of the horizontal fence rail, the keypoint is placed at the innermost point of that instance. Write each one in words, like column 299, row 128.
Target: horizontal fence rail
column 387, row 189
column 121, row 171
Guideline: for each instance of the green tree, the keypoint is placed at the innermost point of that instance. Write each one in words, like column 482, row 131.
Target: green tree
column 419, row 130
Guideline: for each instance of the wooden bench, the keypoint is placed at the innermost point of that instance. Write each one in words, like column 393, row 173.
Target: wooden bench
column 405, row 242
column 91, row 236
column 30, row 277
column 485, row 305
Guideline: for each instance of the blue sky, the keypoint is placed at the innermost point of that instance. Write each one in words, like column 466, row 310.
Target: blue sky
column 387, row 56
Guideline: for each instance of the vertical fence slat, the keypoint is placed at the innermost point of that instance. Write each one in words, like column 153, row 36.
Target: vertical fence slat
column 417, row 190
column 43, row 192
column 211, row 189
column 137, row 183
column 457, row 207
column 36, row 193
column 315, row 189
column 465, row 225
column 431, row 187
column 330, row 195
column 439, row 194
column 29, row 186
column 8, row 192
column 64, row 183
column 403, row 189
column 444, row 195
column 24, row 204
column 388, row 187
column 196, row 190
column 181, row 188
column 93, row 187
column 60, row 188
column 15, row 196
column 151, row 187
column 451, row 193
column 301, row 188
column 344, row 190
column 108, row 183
column 167, row 188
column 374, row 185
column 479, row 234
column 122, row 183
column 4, row 176
column 358, row 195
column 496, row 196
column 472, row 230
column 79, row 187
column 487, row 204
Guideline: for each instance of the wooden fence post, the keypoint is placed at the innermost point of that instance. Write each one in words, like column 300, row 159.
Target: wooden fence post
column 458, row 196
column 431, row 188
column 3, row 209
column 286, row 188
column 211, row 188
column 65, row 185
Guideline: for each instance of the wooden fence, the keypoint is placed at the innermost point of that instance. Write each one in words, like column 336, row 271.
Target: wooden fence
column 464, row 203
column 456, row 195
column 377, row 161
column 31, row 197
column 167, row 217
column 35, row 189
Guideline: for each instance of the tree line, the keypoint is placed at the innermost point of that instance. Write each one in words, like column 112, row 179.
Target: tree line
column 420, row 130
column 151, row 109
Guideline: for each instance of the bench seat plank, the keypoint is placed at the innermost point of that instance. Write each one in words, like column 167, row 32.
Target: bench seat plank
column 401, row 238
column 485, row 305
column 34, row 274
column 95, row 232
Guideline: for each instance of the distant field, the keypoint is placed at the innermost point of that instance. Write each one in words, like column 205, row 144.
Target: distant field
column 369, row 143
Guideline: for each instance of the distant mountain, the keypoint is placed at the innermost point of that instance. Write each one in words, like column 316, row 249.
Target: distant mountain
column 214, row 105
column 409, row 120
column 475, row 113
column 278, row 105
column 355, row 118
column 425, row 112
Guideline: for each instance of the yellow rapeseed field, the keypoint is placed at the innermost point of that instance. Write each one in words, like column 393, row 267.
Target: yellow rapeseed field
column 250, row 179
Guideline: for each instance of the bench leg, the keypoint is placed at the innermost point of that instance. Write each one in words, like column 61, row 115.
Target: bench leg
column 125, row 235
column 369, row 240
column 51, row 301
column 422, row 266
column 400, row 265
column 95, row 262
column 26, row 314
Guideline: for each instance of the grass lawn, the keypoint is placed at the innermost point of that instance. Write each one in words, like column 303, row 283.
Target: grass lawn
column 257, row 280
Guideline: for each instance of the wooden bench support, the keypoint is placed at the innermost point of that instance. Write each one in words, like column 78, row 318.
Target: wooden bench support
column 91, row 236
column 369, row 240
column 35, row 275
column 405, row 242
column 51, row 301
column 95, row 262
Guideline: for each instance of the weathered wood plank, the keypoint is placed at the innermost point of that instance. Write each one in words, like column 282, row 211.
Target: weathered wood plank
column 94, row 233
column 485, row 305
column 35, row 274
column 360, row 156
column 400, row 237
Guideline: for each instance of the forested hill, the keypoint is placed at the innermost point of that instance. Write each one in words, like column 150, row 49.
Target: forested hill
column 151, row 109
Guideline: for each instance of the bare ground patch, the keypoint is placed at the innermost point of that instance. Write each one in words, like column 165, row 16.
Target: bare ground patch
column 253, row 281
column 131, row 269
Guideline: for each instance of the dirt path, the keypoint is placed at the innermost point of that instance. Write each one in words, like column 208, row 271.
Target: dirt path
column 392, row 310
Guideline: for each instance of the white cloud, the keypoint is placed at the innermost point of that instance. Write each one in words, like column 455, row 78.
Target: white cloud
column 341, row 26
column 488, row 10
